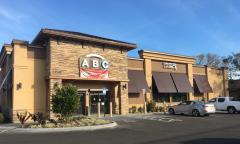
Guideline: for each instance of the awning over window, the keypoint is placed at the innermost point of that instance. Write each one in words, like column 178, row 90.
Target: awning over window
column 137, row 81
column 182, row 83
column 164, row 82
column 202, row 83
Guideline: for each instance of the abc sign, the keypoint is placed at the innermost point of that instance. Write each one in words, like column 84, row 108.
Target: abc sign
column 94, row 61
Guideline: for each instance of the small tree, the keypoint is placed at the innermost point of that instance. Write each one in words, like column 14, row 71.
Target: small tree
column 65, row 101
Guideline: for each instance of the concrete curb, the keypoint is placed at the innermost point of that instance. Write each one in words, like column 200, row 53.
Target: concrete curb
column 67, row 129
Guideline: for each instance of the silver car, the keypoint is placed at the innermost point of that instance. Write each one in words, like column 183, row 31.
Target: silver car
column 195, row 108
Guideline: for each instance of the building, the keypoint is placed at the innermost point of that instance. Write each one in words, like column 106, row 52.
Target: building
column 102, row 71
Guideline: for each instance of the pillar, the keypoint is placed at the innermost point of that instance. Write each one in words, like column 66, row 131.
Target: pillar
column 148, row 74
column 53, row 83
column 190, row 77
column 87, row 104
column 208, row 72
column 225, row 81
column 123, row 89
column 116, row 99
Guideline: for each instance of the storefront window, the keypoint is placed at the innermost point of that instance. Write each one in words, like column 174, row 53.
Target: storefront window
column 178, row 97
column 161, row 97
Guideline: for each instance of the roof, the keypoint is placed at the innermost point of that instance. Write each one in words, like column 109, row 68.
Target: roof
column 168, row 54
column 46, row 33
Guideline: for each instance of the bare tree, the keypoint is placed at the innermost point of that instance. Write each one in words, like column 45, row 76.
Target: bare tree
column 209, row 60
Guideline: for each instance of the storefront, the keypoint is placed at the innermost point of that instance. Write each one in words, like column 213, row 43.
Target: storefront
column 102, row 71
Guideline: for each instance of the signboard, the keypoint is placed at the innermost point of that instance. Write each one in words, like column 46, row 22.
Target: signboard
column 93, row 66
column 168, row 65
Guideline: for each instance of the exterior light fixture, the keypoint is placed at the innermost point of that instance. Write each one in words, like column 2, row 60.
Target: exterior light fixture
column 19, row 85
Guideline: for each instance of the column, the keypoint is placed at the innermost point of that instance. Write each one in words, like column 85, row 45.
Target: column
column 190, row 77
column 207, row 71
column 116, row 99
column 53, row 83
column 148, row 74
column 225, row 81
column 123, row 98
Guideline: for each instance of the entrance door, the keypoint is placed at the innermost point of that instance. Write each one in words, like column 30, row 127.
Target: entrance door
column 81, row 109
column 96, row 97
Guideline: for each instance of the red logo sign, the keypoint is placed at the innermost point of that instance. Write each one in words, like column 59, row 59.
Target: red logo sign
column 93, row 66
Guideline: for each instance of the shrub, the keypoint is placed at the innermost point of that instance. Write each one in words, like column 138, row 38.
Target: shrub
column 134, row 109
column 140, row 109
column 130, row 110
column 1, row 118
column 151, row 106
column 65, row 101
column 23, row 117
column 40, row 118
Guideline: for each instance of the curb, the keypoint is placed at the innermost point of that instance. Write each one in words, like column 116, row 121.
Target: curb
column 67, row 129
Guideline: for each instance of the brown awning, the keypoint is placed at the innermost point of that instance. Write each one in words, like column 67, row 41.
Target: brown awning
column 164, row 82
column 137, row 81
column 202, row 83
column 182, row 83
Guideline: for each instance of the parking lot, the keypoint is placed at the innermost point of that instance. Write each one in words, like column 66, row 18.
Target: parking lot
column 144, row 129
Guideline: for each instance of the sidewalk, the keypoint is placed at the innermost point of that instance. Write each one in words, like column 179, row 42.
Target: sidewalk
column 8, row 126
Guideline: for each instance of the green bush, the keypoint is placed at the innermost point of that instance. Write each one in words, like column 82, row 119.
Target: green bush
column 65, row 101
column 1, row 118
column 140, row 109
column 151, row 106
column 134, row 109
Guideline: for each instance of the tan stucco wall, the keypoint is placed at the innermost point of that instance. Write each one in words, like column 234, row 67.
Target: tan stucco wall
column 199, row 70
column 135, row 64
column 217, row 78
column 158, row 66
column 31, row 74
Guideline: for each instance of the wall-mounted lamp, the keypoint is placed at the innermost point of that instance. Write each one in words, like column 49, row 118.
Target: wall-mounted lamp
column 19, row 85
column 124, row 86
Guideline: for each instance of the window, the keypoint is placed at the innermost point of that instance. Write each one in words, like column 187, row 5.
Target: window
column 212, row 100
column 161, row 97
column 221, row 99
column 178, row 97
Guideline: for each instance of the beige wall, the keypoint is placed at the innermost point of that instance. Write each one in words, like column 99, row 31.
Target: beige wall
column 158, row 66
column 217, row 81
column 135, row 64
column 199, row 70
column 31, row 73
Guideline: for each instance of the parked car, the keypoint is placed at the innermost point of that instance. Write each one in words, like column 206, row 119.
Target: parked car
column 195, row 108
column 229, row 104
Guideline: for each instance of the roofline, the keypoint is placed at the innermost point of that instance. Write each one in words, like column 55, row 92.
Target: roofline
column 84, row 37
column 133, row 58
column 168, row 54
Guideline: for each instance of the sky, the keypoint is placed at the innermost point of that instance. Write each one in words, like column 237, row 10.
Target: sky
column 186, row 27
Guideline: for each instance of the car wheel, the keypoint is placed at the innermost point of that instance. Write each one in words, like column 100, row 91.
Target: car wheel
column 171, row 111
column 195, row 113
column 231, row 110
column 206, row 115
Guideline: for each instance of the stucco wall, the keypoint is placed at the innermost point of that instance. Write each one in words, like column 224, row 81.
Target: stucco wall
column 30, row 73
column 158, row 66
column 135, row 64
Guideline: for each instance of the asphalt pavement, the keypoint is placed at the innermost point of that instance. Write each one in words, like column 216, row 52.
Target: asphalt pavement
column 145, row 129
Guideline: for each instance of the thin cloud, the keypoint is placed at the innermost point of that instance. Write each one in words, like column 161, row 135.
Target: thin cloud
column 12, row 16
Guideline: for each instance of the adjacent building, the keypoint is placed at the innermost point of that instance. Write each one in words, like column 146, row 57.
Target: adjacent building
column 102, row 71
